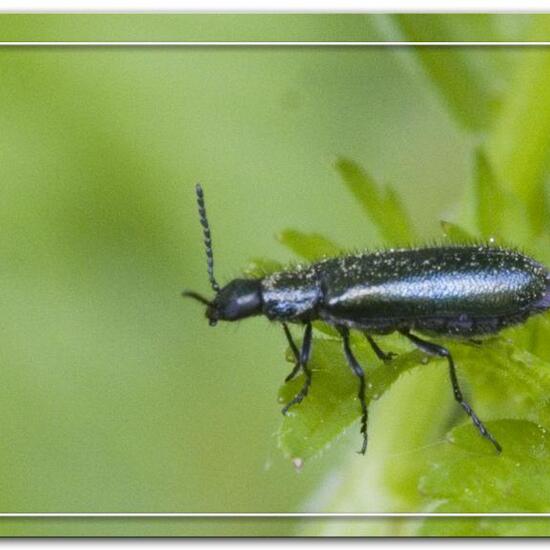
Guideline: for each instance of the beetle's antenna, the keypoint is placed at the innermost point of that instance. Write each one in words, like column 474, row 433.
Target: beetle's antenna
column 207, row 238
column 196, row 296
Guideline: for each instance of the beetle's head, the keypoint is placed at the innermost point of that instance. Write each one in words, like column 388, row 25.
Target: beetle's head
column 239, row 299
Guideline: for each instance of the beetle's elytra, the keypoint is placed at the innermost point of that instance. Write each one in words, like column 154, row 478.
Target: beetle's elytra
column 462, row 291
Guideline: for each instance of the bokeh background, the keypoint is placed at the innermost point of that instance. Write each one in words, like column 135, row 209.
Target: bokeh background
column 115, row 394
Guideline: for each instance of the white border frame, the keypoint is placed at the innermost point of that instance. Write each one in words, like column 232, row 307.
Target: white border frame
column 267, row 515
column 275, row 6
column 272, row 43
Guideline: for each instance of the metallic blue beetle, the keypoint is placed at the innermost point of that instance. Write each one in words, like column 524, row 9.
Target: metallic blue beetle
column 455, row 291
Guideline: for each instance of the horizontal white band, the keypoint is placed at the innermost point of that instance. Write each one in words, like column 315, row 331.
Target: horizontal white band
column 271, row 44
column 258, row 6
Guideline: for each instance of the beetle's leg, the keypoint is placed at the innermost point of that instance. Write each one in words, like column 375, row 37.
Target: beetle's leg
column 434, row 349
column 358, row 371
column 381, row 354
column 295, row 352
column 304, row 358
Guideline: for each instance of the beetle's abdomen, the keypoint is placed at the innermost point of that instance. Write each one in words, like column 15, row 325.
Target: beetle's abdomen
column 454, row 290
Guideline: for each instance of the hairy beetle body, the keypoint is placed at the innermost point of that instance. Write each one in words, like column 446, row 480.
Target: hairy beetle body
column 462, row 291
column 453, row 290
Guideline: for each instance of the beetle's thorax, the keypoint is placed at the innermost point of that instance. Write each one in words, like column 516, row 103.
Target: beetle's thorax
column 291, row 295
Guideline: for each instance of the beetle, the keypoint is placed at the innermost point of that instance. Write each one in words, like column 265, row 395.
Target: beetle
column 460, row 291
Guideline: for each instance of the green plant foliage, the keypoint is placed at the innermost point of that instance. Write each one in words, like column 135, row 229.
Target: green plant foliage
column 381, row 205
column 469, row 477
column 507, row 378
column 454, row 233
column 520, row 140
column 259, row 267
column 310, row 246
column 117, row 396
column 456, row 73
column 512, row 381
column 499, row 214
column 332, row 404
column 514, row 384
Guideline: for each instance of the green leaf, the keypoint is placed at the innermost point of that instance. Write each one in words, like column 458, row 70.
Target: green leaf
column 455, row 233
column 466, row 475
column 332, row 404
column 540, row 248
column 499, row 214
column 310, row 246
column 458, row 74
column 520, row 142
column 326, row 329
column 490, row 208
column 260, row 267
column 537, row 337
column 470, row 477
column 382, row 205
column 506, row 380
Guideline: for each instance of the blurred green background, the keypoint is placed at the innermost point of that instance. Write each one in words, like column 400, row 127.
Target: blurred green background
column 115, row 394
